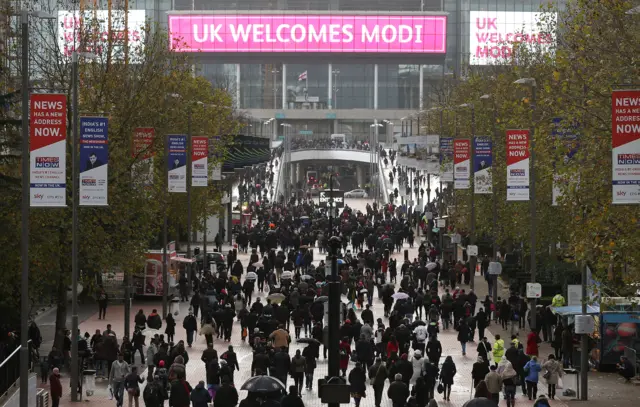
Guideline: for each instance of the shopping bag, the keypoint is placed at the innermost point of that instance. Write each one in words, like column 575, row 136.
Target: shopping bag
column 560, row 384
column 110, row 392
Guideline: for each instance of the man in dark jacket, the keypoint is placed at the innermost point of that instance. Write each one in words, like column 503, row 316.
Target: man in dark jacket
column 226, row 396
column 140, row 320
column 154, row 321
column 378, row 373
column 405, row 368
column 364, row 350
column 398, row 391
column 292, row 399
column 200, row 396
column 281, row 365
column 261, row 363
column 190, row 325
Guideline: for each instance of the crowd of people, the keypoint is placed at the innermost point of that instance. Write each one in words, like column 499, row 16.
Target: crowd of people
column 399, row 350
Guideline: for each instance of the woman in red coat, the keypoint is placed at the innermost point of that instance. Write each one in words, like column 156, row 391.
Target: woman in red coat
column 392, row 346
column 345, row 354
column 532, row 344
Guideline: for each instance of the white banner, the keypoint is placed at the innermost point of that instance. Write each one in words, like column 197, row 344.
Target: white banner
column 199, row 161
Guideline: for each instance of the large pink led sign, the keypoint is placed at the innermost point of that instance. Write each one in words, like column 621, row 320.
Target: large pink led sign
column 415, row 34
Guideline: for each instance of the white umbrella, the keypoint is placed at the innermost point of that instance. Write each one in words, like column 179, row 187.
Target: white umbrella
column 305, row 277
column 251, row 276
column 431, row 266
column 400, row 296
column 287, row 275
column 364, row 291
column 257, row 265
column 150, row 333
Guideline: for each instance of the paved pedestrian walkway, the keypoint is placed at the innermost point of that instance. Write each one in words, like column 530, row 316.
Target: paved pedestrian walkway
column 461, row 391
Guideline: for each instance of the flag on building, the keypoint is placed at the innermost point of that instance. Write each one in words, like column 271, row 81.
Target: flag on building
column 302, row 76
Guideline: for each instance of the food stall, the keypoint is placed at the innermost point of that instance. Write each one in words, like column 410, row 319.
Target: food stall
column 617, row 329
column 150, row 283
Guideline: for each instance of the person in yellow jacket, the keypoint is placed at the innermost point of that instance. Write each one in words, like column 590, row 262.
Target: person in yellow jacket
column 558, row 300
column 515, row 341
column 498, row 349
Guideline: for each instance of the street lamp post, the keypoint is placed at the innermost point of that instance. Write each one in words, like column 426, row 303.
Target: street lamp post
column 495, row 196
column 24, row 221
column 473, row 260
column 531, row 82
column 75, row 168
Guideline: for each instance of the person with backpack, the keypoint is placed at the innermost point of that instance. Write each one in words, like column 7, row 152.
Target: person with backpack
column 131, row 385
column 154, row 394
column 190, row 325
column 180, row 393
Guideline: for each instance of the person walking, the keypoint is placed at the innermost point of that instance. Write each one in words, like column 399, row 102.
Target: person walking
column 190, row 325
column 310, row 353
column 170, row 329
column 131, row 385
column 479, row 371
column 180, row 393
column 447, row 373
column 226, row 395
column 103, row 301
column 398, row 391
column 292, row 399
column 532, row 343
column 494, row 383
column 509, row 381
column 498, row 349
column 298, row 367
column 553, row 373
column 532, row 370
column 119, row 370
column 378, row 375
column 358, row 383
column 464, row 335
column 345, row 354
column 152, row 349
column 55, row 387
column 200, row 396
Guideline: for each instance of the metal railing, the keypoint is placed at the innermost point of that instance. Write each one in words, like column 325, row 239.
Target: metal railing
column 10, row 371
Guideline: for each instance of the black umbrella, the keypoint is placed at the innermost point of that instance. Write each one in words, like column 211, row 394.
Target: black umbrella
column 309, row 340
column 262, row 384
column 480, row 402
column 323, row 298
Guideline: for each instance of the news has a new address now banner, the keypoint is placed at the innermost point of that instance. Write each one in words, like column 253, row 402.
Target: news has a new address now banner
column 47, row 147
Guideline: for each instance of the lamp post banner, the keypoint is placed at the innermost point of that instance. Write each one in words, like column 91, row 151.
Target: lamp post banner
column 177, row 156
column 94, row 161
column 199, row 161
column 142, row 151
column 482, row 161
column 567, row 136
column 48, row 150
column 446, row 159
column 518, row 165
column 625, row 143
column 461, row 163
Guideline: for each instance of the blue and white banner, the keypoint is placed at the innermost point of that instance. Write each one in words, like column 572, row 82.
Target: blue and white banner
column 482, row 161
column 567, row 136
column 94, row 161
column 177, row 149
column 446, row 159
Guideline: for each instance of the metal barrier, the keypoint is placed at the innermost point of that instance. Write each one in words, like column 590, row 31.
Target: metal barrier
column 632, row 355
column 10, row 371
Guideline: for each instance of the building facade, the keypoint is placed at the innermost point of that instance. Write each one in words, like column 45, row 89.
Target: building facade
column 336, row 91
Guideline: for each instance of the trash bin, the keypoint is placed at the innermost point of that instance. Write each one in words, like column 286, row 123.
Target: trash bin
column 89, row 381
column 174, row 307
column 571, row 383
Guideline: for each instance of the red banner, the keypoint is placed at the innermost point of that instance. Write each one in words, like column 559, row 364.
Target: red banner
column 461, row 150
column 199, row 147
column 48, row 119
column 141, row 148
column 517, row 146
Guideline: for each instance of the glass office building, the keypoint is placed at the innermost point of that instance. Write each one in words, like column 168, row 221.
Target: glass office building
column 320, row 93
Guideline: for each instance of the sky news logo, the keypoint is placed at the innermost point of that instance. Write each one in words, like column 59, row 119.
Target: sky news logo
column 47, row 162
column 628, row 159
column 516, row 172
column 89, row 182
